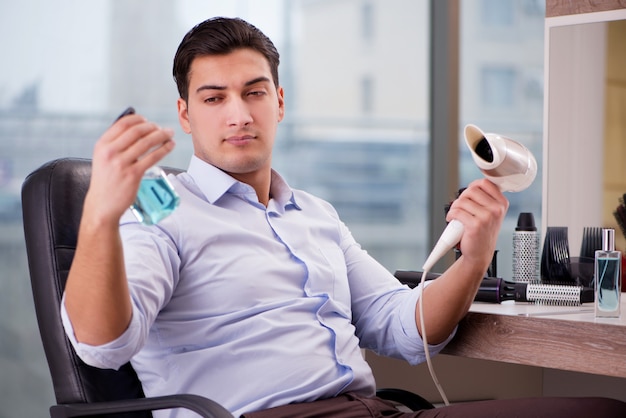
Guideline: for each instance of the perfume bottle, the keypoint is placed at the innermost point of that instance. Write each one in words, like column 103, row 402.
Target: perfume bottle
column 156, row 198
column 608, row 277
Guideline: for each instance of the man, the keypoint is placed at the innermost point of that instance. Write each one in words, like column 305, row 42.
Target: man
column 251, row 293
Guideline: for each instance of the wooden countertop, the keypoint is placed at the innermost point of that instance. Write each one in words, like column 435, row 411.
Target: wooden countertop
column 566, row 338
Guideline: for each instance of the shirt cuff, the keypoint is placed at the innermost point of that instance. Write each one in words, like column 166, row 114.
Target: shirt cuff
column 111, row 355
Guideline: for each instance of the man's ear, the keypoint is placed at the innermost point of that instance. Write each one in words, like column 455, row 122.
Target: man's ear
column 183, row 115
column 281, row 103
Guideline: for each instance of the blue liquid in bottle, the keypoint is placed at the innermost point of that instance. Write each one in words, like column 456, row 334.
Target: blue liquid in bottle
column 608, row 285
column 608, row 277
column 156, row 198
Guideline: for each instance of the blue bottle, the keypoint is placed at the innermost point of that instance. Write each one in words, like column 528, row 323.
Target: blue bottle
column 156, row 198
column 608, row 277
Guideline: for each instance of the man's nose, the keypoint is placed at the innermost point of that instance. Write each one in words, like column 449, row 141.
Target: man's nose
column 238, row 113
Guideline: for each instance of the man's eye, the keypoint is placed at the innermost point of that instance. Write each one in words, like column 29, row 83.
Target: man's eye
column 211, row 99
column 256, row 93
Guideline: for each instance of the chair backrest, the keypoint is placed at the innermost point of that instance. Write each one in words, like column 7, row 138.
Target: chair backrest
column 52, row 203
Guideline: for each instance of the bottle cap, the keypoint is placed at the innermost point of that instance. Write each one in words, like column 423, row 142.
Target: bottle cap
column 608, row 239
column 526, row 222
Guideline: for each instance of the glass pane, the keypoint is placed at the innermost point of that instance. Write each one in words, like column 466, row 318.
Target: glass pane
column 501, row 91
column 356, row 131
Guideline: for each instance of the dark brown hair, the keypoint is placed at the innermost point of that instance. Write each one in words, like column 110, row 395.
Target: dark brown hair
column 220, row 36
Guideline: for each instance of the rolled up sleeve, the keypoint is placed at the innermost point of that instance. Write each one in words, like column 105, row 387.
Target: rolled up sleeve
column 111, row 355
column 409, row 339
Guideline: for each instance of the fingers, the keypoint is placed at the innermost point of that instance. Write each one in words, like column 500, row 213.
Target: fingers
column 481, row 209
column 120, row 125
column 121, row 156
column 153, row 143
column 136, row 135
column 481, row 202
column 133, row 140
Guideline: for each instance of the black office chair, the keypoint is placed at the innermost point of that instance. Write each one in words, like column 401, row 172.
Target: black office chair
column 52, row 203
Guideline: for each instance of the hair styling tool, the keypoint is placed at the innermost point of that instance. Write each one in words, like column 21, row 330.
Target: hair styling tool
column 553, row 294
column 497, row 290
column 555, row 258
column 505, row 162
column 592, row 241
column 509, row 165
column 525, row 250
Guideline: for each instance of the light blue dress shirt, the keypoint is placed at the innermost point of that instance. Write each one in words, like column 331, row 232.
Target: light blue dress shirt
column 254, row 307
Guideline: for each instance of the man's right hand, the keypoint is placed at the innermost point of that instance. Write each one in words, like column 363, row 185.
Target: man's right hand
column 121, row 156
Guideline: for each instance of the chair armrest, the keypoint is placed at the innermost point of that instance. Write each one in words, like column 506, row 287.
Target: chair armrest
column 201, row 405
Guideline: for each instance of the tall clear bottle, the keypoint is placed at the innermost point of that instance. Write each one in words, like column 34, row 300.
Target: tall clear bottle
column 608, row 277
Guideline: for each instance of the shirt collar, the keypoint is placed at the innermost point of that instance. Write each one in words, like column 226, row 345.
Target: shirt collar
column 215, row 183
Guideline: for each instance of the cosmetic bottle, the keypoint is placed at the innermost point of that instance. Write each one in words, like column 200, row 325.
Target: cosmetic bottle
column 608, row 276
column 156, row 198
column 526, row 250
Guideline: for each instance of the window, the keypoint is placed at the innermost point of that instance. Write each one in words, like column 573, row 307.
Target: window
column 356, row 130
column 498, row 12
column 367, row 28
column 497, row 87
column 501, row 91
column 367, row 93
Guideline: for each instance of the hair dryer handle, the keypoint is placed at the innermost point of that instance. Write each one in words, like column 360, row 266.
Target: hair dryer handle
column 448, row 239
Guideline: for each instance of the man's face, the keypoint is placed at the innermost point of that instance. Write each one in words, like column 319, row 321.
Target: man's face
column 232, row 112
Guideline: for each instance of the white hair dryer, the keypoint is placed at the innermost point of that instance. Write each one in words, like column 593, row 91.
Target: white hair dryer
column 505, row 162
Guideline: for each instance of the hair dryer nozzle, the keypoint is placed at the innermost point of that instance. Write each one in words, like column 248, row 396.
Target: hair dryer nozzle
column 448, row 239
column 503, row 161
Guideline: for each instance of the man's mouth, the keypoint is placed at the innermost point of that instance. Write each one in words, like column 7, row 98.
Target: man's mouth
column 239, row 140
